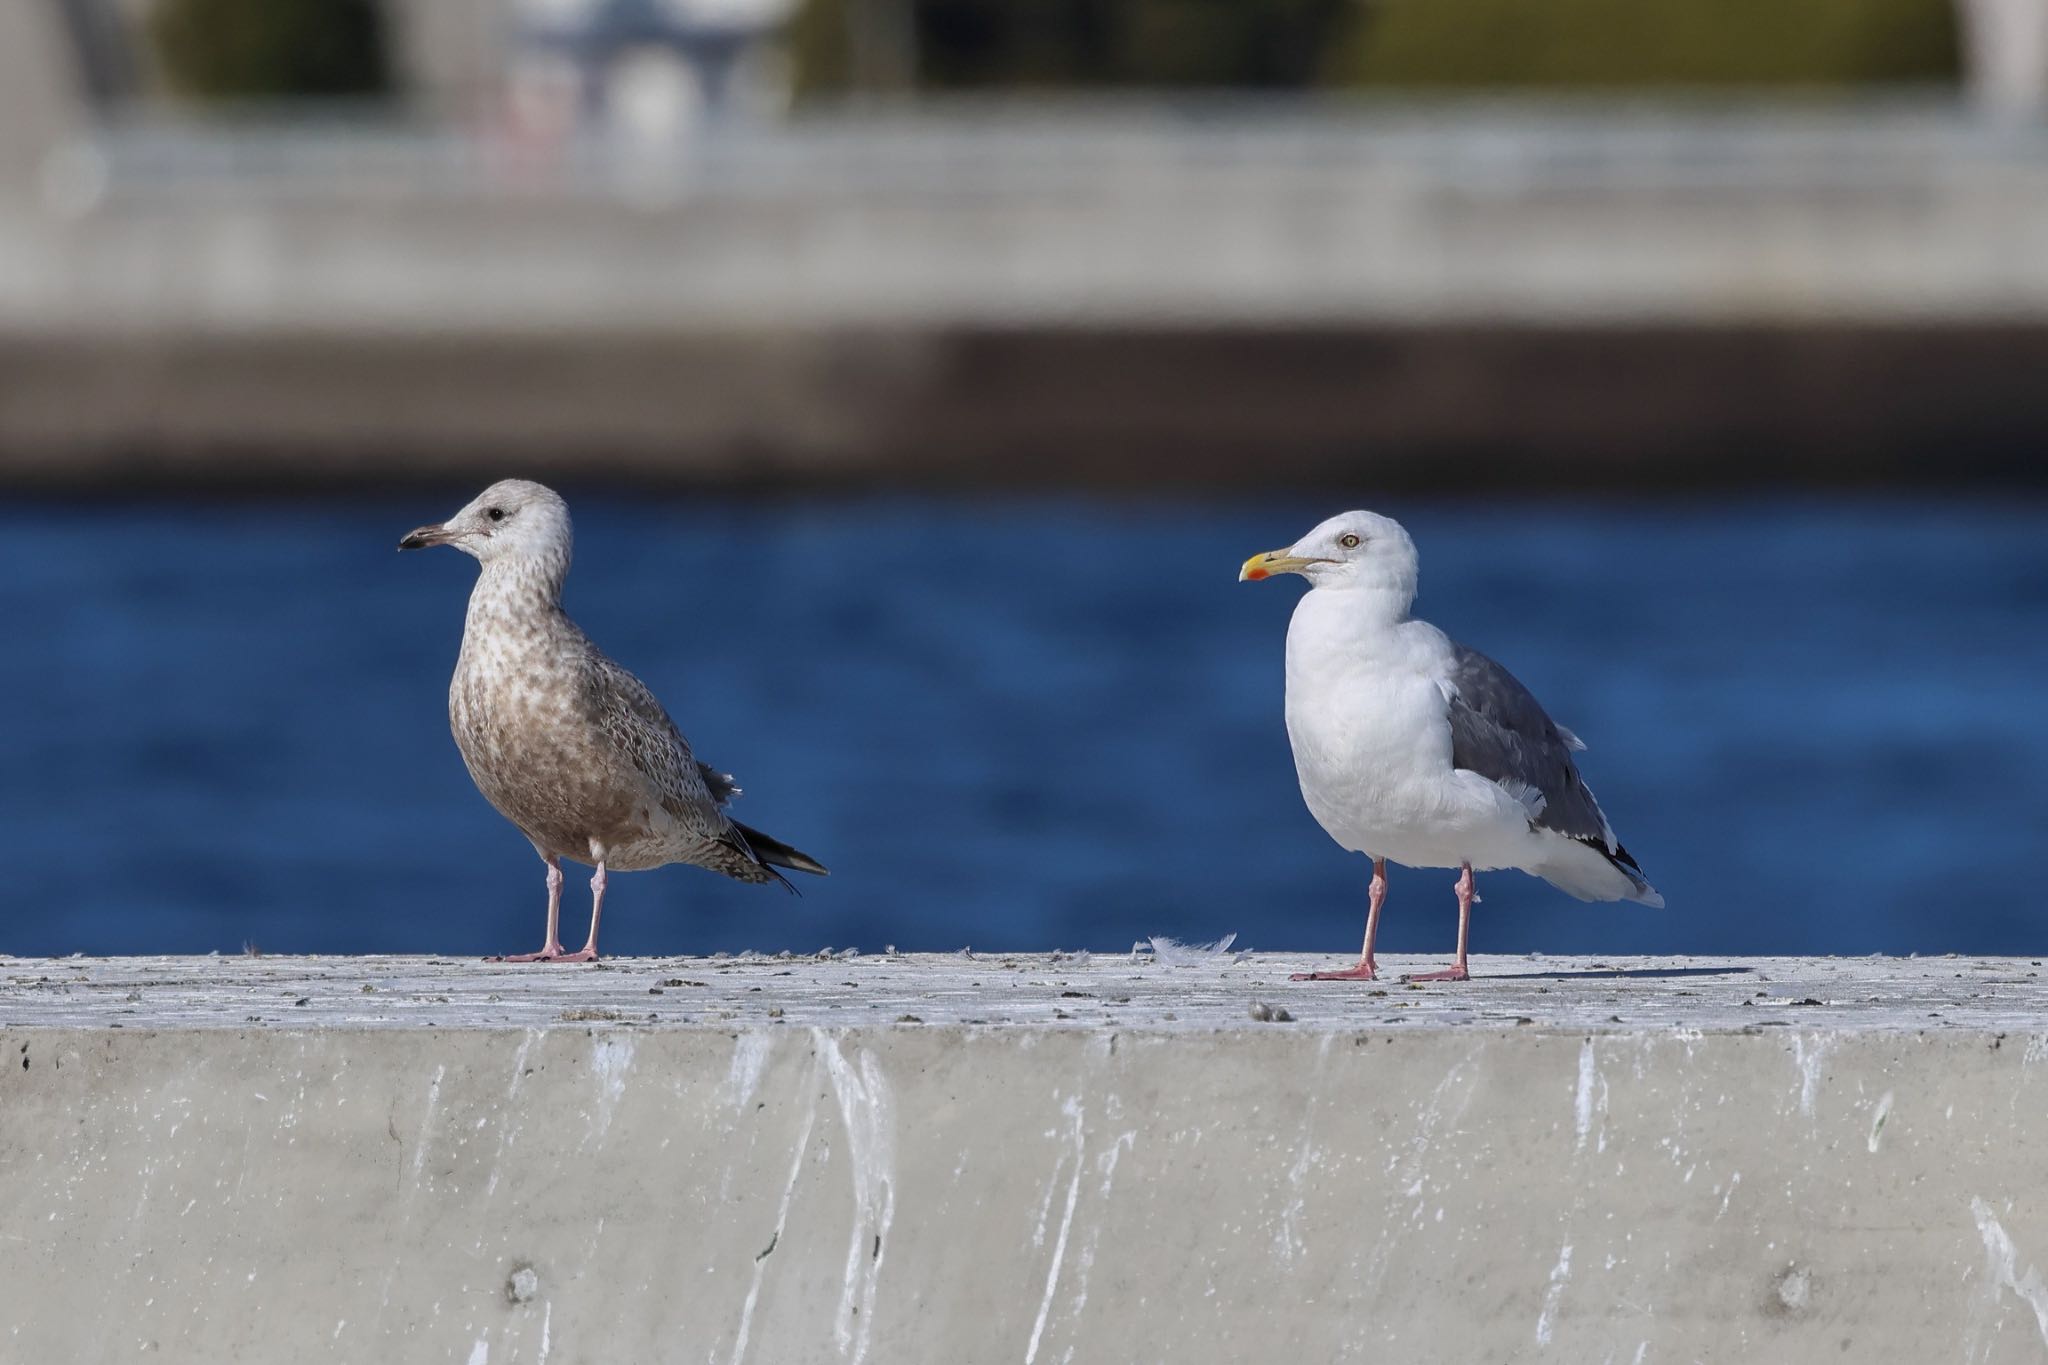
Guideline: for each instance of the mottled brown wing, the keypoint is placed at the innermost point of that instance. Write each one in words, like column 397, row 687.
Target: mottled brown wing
column 629, row 716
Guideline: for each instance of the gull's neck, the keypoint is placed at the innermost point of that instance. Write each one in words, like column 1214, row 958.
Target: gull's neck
column 512, row 588
column 1358, row 608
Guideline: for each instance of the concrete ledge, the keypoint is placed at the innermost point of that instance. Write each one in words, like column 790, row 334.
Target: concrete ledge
column 1054, row 1158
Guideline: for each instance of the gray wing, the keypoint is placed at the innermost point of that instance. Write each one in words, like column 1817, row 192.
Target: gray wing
column 692, row 792
column 1500, row 731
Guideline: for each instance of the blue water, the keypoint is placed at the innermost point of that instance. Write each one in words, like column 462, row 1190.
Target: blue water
column 1819, row 724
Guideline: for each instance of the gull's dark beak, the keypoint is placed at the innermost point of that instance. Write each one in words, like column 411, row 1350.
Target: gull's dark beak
column 425, row 536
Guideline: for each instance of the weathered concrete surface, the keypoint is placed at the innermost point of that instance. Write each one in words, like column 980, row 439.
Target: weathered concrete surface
column 1064, row 1159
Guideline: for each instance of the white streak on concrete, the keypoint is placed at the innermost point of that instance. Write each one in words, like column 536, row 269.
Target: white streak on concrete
column 1560, row 1275
column 867, row 1111
column 2001, row 1259
column 611, row 1057
column 508, row 1118
column 1809, row 1054
column 1072, row 1109
column 1052, row 1184
column 1582, row 1100
column 419, row 1147
column 750, row 1053
column 796, row 1170
column 547, row 1323
column 1105, row 1163
column 1877, row 1120
column 480, row 1354
column 1734, row 1179
column 1289, row 1239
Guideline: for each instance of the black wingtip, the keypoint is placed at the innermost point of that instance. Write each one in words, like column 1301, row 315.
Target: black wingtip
column 772, row 853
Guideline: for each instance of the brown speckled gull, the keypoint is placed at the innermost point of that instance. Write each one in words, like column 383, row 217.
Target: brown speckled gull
column 569, row 746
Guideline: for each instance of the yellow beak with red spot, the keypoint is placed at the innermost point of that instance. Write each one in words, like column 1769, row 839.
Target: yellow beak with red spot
column 1275, row 561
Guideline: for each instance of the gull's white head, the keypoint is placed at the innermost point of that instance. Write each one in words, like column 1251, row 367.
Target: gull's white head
column 513, row 519
column 1350, row 550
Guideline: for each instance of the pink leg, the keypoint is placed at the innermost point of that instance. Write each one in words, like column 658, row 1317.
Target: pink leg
column 1456, row 971
column 553, row 948
column 588, row 952
column 1364, row 971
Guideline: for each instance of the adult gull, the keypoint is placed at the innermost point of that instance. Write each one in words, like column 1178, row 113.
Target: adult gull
column 1412, row 748
column 569, row 746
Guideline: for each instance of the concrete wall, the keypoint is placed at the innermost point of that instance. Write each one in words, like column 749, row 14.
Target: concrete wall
column 1156, row 1178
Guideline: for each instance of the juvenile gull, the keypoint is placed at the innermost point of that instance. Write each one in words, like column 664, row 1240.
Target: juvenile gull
column 569, row 746
column 1411, row 747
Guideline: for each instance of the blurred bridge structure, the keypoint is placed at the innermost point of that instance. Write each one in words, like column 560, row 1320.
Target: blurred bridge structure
column 1117, row 291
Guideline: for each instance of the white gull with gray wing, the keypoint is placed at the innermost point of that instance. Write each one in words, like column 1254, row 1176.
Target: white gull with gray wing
column 1414, row 749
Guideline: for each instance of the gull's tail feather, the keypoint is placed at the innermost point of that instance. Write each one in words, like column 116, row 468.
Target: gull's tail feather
column 1642, row 893
column 1585, row 869
column 775, row 853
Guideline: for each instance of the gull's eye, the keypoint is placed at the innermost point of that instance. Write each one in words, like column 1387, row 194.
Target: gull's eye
column 498, row 514
column 1348, row 541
